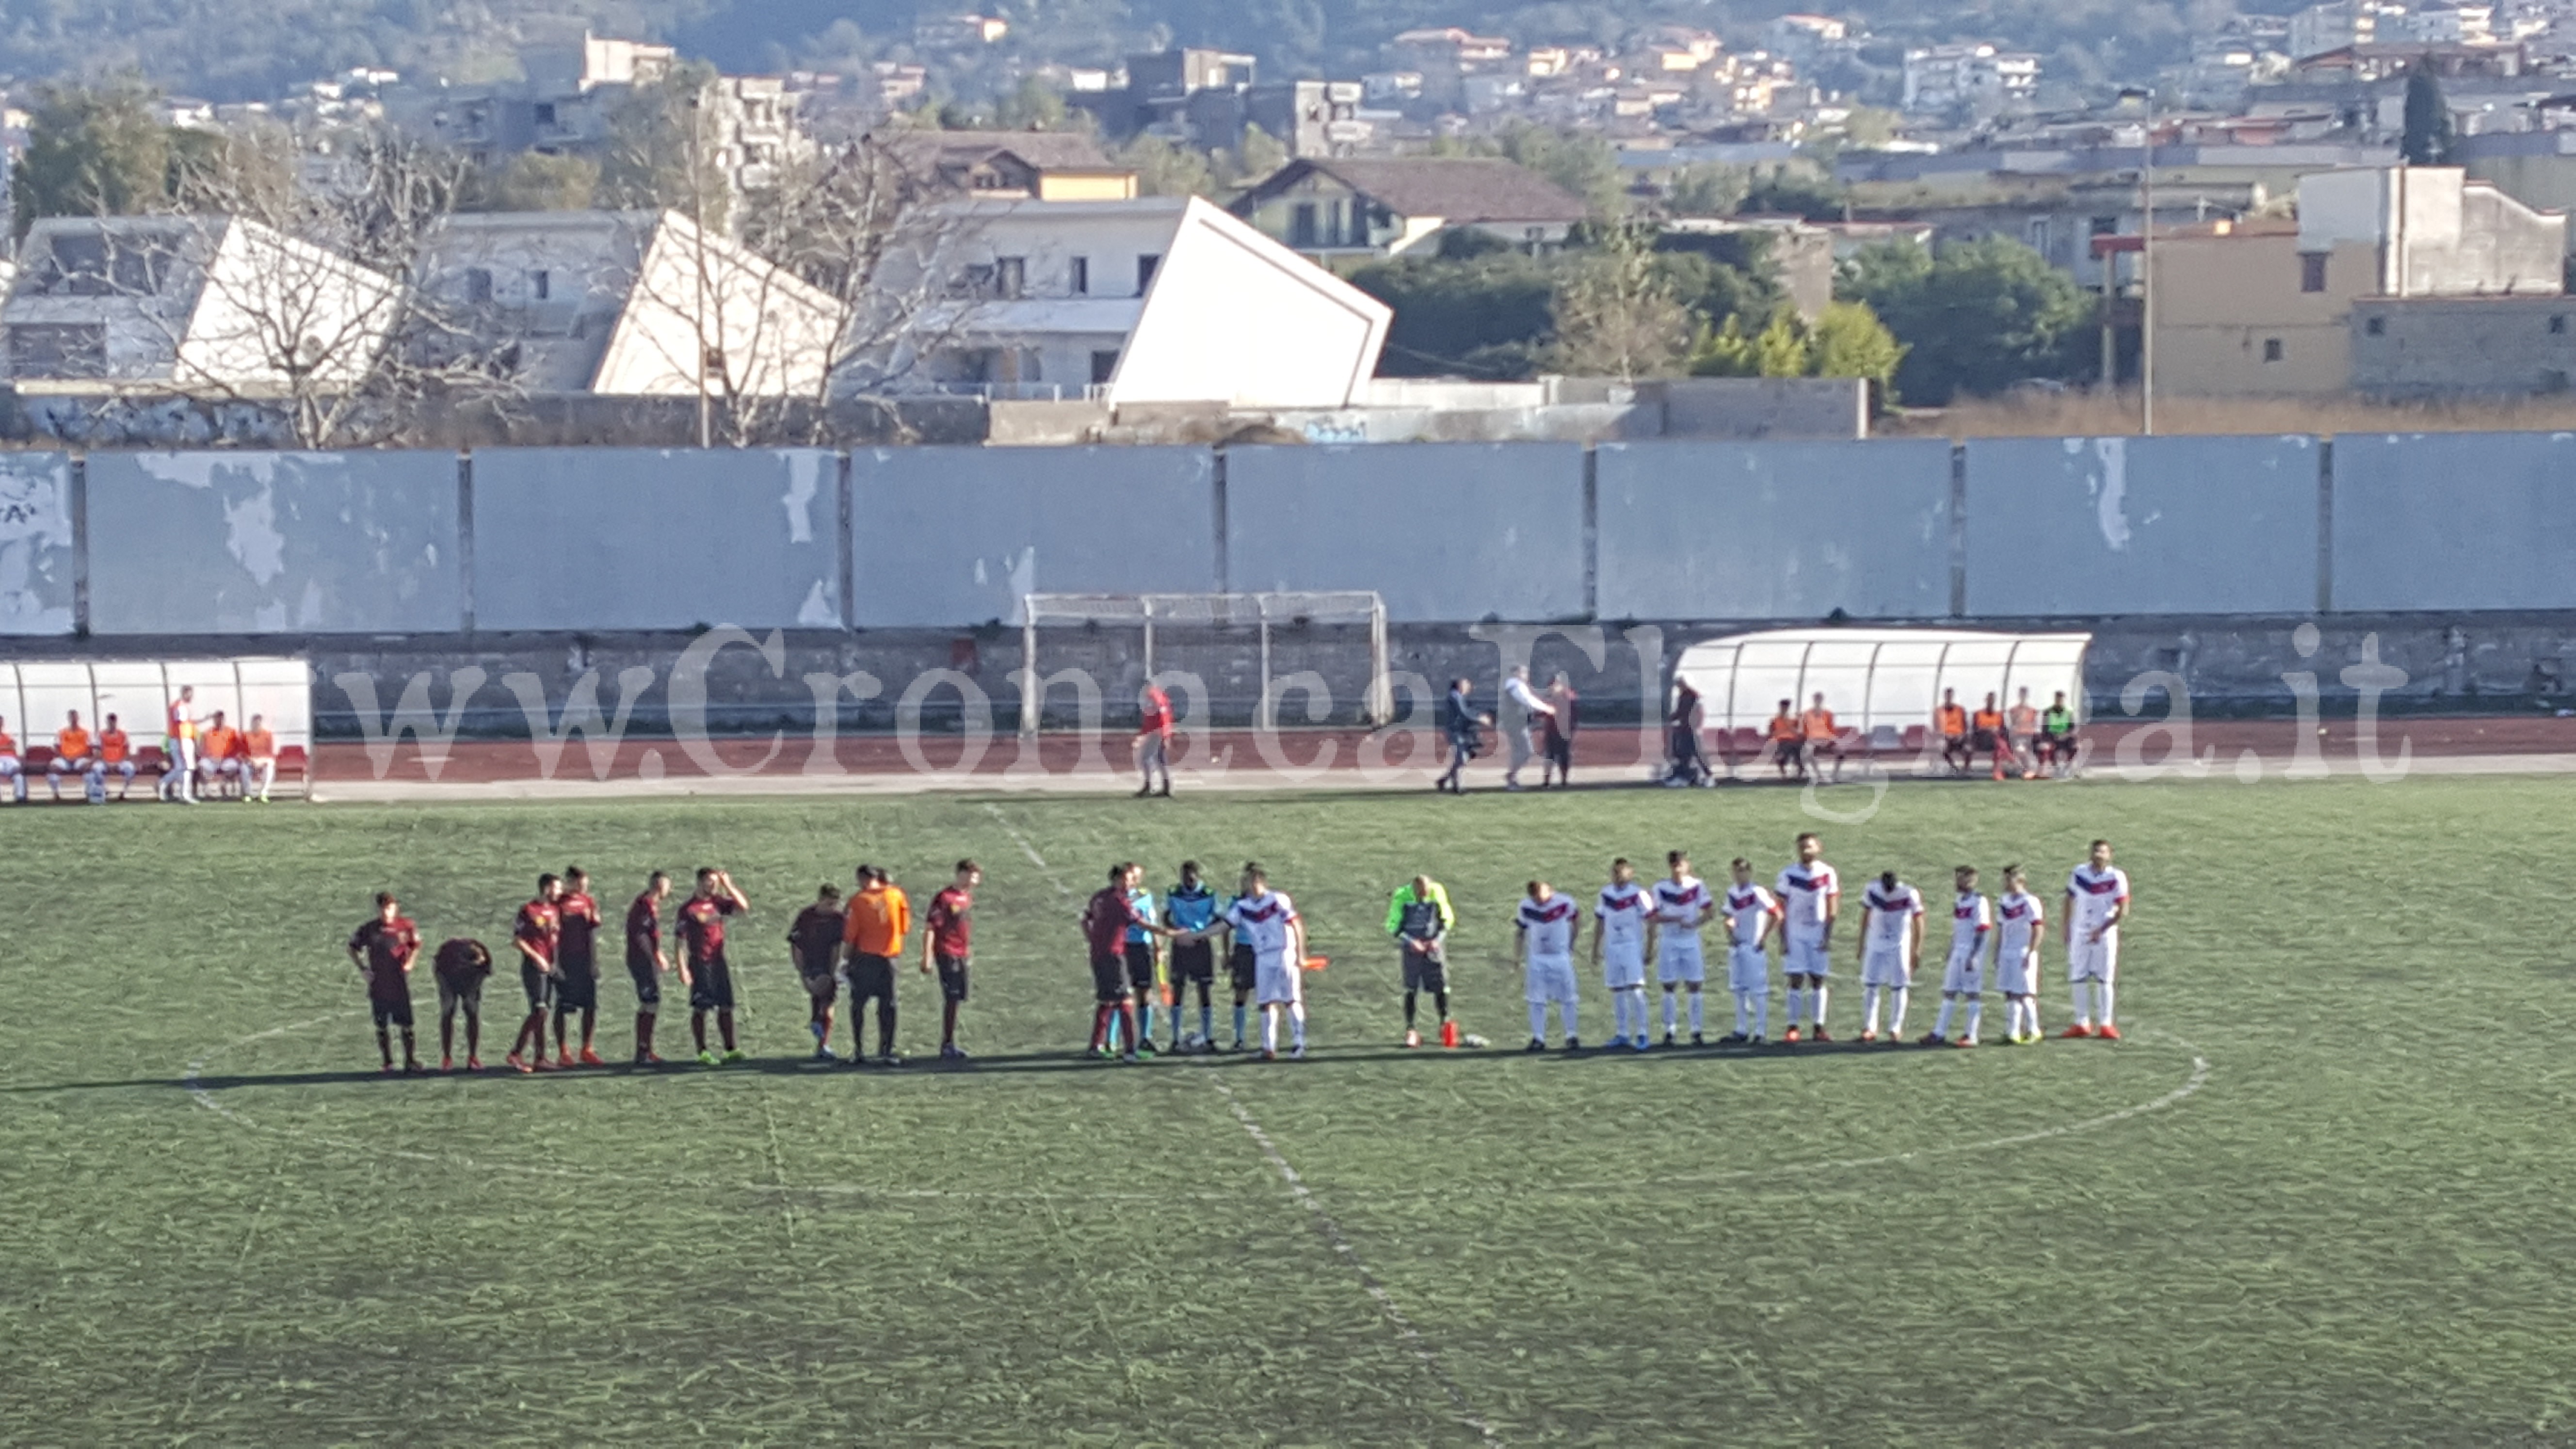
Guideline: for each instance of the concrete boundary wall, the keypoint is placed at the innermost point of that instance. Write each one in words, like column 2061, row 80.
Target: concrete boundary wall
column 240, row 544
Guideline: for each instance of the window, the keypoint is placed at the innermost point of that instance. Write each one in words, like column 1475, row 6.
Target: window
column 1301, row 225
column 1145, row 266
column 2312, row 271
column 1333, row 224
column 58, row 350
column 541, row 284
column 2035, row 232
column 2104, row 225
column 1078, row 277
column 545, row 113
column 2375, row 327
column 2558, row 324
column 2271, row 349
column 1104, row 365
column 478, row 284
column 1010, row 276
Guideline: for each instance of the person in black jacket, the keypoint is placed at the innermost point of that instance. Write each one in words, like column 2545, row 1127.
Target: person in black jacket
column 1460, row 722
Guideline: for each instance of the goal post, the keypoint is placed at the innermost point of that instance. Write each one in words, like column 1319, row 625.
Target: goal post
column 1260, row 612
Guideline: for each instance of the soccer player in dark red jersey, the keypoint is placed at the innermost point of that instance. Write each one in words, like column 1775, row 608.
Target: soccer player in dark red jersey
column 703, row 968
column 1106, row 920
column 576, row 967
column 535, row 937
column 814, row 940
column 462, row 966
column 646, row 963
column 383, row 948
column 946, row 946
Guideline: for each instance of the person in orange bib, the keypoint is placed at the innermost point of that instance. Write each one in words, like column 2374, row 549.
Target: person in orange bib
column 216, row 760
column 116, row 756
column 259, row 759
column 11, row 769
column 1986, row 735
column 1785, row 736
column 1822, row 739
column 71, row 754
column 1951, row 723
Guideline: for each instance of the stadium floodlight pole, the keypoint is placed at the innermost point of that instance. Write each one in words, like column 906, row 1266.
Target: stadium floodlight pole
column 2146, row 260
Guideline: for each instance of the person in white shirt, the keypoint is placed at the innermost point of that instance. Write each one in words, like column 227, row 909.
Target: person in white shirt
column 1683, row 904
column 1891, row 935
column 1963, row 978
column 1521, row 705
column 1547, row 925
column 1619, row 948
column 1751, row 914
column 2018, row 923
column 2097, row 901
column 1810, row 895
column 1267, row 921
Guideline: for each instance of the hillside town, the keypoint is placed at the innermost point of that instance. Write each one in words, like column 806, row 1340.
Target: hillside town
column 2360, row 200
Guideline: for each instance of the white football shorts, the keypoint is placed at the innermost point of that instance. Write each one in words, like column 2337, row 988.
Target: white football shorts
column 1806, row 956
column 1965, row 975
column 1276, row 980
column 1623, row 966
column 1681, row 961
column 2093, row 960
column 1550, row 978
column 1748, row 968
column 1884, row 966
column 2017, row 975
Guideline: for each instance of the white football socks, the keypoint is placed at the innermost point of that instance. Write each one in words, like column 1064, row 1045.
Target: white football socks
column 1941, row 1023
column 1869, row 1010
column 1791, row 998
column 1297, row 1022
column 1697, row 1012
column 1270, row 1028
column 1816, row 1004
column 1672, row 1011
column 1538, row 1021
column 1761, row 1012
column 1976, row 1010
column 2102, row 990
column 1743, row 1012
column 2083, row 1005
column 1896, row 1019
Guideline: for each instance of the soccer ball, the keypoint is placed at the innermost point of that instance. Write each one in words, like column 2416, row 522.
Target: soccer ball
column 1193, row 1044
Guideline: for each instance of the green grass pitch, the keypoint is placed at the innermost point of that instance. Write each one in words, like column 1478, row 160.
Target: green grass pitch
column 2356, row 1231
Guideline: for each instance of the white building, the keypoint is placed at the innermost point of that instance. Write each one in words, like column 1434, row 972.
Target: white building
column 1156, row 300
column 2338, row 23
column 2450, row 24
column 189, row 303
column 1979, row 79
column 628, row 303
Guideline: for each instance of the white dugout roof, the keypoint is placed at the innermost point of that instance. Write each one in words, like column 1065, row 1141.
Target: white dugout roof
column 35, row 693
column 1874, row 677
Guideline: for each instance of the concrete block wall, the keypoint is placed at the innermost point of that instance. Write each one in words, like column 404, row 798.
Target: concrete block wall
column 597, row 541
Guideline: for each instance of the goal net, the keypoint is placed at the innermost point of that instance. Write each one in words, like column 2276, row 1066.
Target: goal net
column 1237, row 649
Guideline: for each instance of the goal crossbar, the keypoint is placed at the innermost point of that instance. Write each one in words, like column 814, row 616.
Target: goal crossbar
column 1258, row 611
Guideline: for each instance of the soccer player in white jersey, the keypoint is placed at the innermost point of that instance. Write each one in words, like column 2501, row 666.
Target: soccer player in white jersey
column 1683, row 904
column 1810, row 895
column 1891, row 936
column 1963, row 979
column 1751, row 914
column 1267, row 921
column 1619, row 949
column 2018, row 922
column 2097, row 901
column 1548, row 924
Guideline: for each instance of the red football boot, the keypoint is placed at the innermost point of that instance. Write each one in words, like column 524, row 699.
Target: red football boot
column 2077, row 1030
column 2108, row 1032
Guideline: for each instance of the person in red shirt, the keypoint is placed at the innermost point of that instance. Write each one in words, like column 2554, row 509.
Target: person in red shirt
column 535, row 937
column 703, row 968
column 1154, row 740
column 462, row 966
column 383, row 947
column 576, row 968
column 646, row 963
column 947, row 945
column 1106, row 920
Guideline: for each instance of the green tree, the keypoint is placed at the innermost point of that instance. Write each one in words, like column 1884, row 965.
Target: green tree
column 1259, row 154
column 534, row 182
column 1033, row 106
column 1485, row 316
column 1582, row 164
column 2427, row 140
column 1163, row 169
column 662, row 153
column 1974, row 317
column 92, row 152
column 1787, row 192
column 1848, row 340
column 1616, row 314
column 1707, row 188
